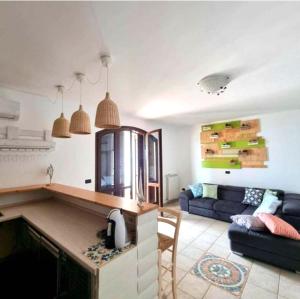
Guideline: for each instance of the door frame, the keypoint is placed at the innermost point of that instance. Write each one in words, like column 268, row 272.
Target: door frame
column 116, row 133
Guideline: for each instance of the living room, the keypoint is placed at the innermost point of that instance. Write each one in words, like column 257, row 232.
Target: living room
column 185, row 106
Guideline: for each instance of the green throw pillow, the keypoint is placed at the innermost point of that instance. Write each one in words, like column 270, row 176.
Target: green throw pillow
column 210, row 191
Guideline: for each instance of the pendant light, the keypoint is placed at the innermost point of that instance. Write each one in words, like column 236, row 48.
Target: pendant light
column 80, row 120
column 107, row 116
column 61, row 125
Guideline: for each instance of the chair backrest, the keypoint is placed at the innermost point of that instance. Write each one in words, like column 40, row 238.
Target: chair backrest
column 168, row 220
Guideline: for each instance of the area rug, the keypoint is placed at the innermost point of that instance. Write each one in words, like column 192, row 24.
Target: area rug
column 221, row 272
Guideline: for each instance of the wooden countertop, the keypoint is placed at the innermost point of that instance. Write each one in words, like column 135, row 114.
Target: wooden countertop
column 68, row 227
column 102, row 199
column 21, row 189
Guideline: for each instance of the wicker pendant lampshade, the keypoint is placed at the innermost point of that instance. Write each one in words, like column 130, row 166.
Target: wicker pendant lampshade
column 80, row 120
column 107, row 115
column 61, row 125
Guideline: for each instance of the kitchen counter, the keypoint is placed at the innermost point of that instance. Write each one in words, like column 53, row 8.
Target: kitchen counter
column 70, row 218
column 68, row 227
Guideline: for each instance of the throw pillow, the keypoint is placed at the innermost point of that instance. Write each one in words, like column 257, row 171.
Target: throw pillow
column 268, row 191
column 196, row 189
column 249, row 221
column 278, row 226
column 269, row 205
column 253, row 197
column 210, row 191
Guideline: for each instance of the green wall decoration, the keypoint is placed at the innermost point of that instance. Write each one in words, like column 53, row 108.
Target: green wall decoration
column 233, row 145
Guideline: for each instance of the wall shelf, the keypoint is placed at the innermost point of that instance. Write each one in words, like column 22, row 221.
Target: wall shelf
column 13, row 139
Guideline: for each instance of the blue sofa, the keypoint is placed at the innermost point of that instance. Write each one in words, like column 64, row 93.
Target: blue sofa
column 263, row 246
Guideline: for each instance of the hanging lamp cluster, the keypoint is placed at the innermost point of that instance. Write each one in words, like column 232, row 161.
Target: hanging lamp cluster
column 107, row 115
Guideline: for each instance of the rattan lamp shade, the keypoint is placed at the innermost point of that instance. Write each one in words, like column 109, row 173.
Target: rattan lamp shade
column 80, row 122
column 61, row 127
column 107, row 116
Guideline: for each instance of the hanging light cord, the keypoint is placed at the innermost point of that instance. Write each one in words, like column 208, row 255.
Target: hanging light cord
column 97, row 81
column 62, row 101
column 80, row 90
column 107, row 78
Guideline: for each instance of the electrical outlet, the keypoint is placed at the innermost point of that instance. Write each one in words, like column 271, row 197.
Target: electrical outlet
column 88, row 181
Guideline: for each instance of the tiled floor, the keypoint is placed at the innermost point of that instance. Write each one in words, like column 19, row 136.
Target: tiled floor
column 199, row 235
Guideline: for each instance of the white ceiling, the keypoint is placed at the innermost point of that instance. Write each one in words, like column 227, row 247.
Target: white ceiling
column 160, row 50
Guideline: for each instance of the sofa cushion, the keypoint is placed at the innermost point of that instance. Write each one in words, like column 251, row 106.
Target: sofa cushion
column 253, row 196
column 249, row 221
column 196, row 189
column 231, row 193
column 264, row 241
column 291, row 205
column 249, row 210
column 269, row 205
column 210, row 191
column 279, row 227
column 230, row 207
column 206, row 203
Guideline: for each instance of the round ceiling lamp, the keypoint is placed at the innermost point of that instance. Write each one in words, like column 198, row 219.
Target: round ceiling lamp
column 107, row 115
column 61, row 126
column 214, row 84
column 80, row 120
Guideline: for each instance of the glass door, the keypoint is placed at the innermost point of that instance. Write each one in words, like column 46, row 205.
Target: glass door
column 120, row 161
column 154, row 188
column 105, row 175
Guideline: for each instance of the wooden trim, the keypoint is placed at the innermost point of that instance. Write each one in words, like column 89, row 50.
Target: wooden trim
column 102, row 199
column 21, row 189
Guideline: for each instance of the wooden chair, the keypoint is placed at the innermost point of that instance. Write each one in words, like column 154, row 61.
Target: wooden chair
column 169, row 243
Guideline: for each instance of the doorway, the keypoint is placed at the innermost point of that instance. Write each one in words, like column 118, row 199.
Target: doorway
column 128, row 162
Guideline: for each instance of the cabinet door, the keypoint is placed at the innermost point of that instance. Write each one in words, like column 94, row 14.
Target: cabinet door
column 74, row 280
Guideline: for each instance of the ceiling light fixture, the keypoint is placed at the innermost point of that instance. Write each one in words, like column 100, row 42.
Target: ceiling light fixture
column 80, row 120
column 214, row 84
column 61, row 125
column 107, row 115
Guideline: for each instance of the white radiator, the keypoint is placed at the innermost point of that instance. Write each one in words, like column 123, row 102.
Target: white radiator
column 172, row 186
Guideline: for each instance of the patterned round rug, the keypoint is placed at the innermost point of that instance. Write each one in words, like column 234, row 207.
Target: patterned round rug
column 228, row 275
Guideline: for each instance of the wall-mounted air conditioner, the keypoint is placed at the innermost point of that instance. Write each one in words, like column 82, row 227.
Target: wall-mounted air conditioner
column 9, row 109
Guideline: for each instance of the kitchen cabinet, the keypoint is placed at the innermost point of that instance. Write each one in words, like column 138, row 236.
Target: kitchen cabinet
column 31, row 266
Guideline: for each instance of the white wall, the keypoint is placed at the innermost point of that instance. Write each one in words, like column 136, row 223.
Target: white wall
column 74, row 158
column 282, row 134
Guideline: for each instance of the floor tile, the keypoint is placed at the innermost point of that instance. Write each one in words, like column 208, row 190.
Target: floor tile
column 251, row 291
column 263, row 279
column 240, row 260
column 181, row 295
column 181, row 245
column 265, row 268
column 194, row 285
column 218, row 293
column 184, row 262
column 179, row 275
column 192, row 252
column 289, row 285
column 219, row 251
column 203, row 245
column 207, row 237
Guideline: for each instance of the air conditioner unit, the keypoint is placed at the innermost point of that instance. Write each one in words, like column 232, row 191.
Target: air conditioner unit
column 9, row 109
